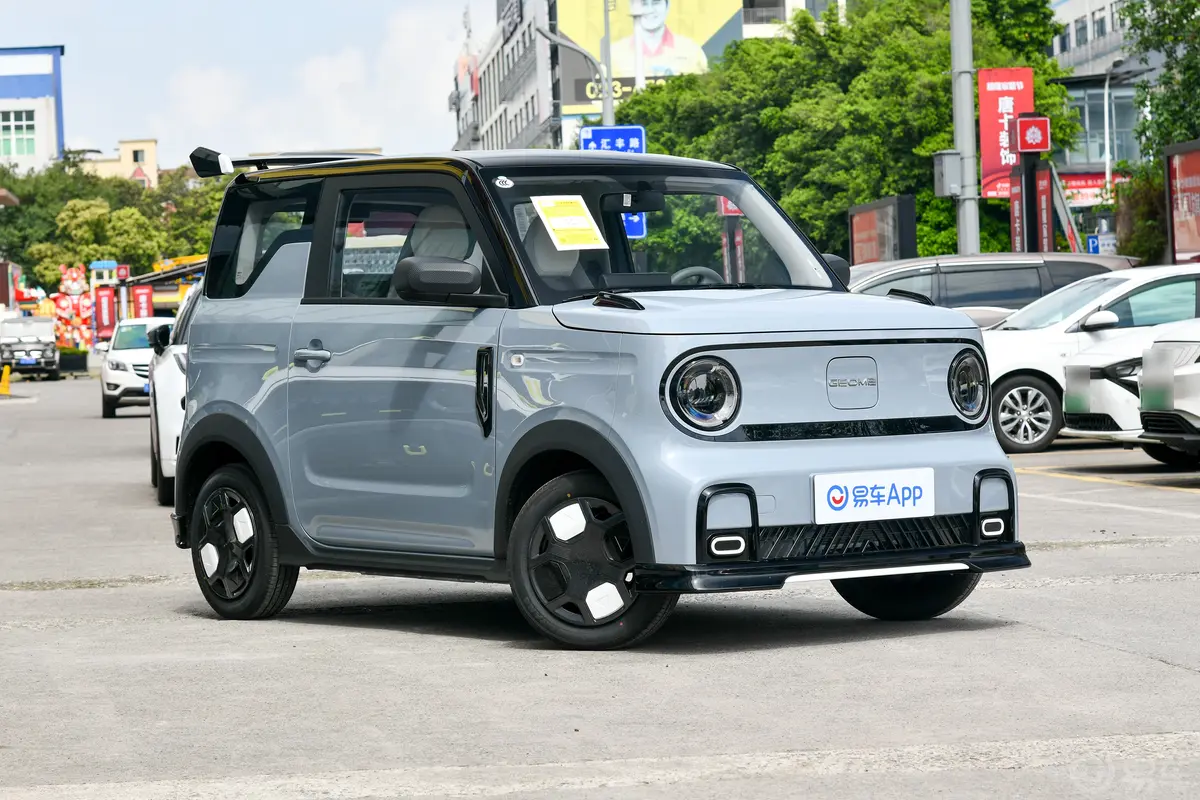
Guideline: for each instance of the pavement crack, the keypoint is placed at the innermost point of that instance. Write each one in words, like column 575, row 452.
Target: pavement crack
column 1106, row 645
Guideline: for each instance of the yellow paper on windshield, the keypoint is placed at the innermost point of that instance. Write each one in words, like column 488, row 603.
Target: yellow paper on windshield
column 569, row 222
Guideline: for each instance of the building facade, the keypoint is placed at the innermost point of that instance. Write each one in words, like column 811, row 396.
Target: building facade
column 31, row 116
column 136, row 159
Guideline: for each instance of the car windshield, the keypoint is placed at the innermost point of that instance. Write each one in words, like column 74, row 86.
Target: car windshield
column 601, row 229
column 1060, row 304
column 132, row 337
column 26, row 329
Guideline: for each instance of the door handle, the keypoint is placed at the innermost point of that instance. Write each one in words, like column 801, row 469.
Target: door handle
column 418, row 452
column 310, row 354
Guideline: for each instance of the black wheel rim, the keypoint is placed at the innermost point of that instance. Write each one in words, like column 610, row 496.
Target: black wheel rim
column 580, row 562
column 227, row 546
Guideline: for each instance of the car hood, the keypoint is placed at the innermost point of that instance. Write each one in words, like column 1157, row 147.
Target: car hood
column 736, row 311
column 138, row 356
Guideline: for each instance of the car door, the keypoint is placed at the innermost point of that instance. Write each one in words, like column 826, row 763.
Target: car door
column 920, row 279
column 388, row 448
column 991, row 285
column 1168, row 300
column 1064, row 272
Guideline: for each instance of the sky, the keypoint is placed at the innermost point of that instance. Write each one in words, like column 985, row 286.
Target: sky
column 255, row 75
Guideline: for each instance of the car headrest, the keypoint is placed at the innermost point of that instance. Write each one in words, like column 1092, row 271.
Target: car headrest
column 548, row 260
column 440, row 231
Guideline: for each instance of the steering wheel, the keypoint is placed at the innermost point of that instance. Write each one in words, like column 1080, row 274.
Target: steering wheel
column 702, row 275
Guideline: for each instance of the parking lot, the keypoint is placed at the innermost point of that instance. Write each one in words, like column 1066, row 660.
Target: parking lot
column 1079, row 677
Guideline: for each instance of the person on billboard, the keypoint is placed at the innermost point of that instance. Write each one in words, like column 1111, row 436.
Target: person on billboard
column 664, row 52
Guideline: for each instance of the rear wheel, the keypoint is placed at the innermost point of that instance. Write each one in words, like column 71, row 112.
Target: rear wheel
column 1171, row 457
column 1026, row 413
column 908, row 597
column 234, row 550
column 571, row 558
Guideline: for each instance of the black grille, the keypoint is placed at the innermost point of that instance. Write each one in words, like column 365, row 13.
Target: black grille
column 1164, row 422
column 1091, row 422
column 858, row 538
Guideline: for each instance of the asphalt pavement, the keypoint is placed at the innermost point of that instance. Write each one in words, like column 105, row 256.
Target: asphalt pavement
column 1077, row 678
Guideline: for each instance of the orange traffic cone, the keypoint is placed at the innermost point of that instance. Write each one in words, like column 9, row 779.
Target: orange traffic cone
column 4, row 390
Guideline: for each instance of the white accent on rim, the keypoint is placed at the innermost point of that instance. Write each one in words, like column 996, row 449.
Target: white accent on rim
column 209, row 558
column 728, row 545
column 243, row 525
column 876, row 573
column 567, row 523
column 992, row 527
column 604, row 601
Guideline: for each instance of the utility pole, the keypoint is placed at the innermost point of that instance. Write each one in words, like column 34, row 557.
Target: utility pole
column 962, row 68
column 606, row 97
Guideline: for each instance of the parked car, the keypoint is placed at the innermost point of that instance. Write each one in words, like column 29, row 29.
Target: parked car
column 27, row 346
column 1101, row 393
column 988, row 286
column 125, row 373
column 168, row 390
column 1028, row 352
column 1170, row 389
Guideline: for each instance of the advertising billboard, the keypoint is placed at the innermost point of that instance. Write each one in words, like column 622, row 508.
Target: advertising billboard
column 885, row 230
column 657, row 39
column 1016, row 212
column 143, row 300
column 1183, row 201
column 1004, row 94
column 105, row 314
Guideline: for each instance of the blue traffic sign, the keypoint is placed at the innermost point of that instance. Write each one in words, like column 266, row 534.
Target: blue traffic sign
column 1093, row 244
column 619, row 139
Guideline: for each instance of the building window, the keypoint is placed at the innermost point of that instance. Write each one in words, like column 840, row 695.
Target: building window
column 1118, row 19
column 1081, row 32
column 16, row 133
column 1099, row 24
column 139, row 156
column 1064, row 41
column 1088, row 149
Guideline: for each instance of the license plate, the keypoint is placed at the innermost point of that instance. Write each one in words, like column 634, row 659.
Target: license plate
column 25, row 361
column 1077, row 395
column 1158, row 380
column 877, row 494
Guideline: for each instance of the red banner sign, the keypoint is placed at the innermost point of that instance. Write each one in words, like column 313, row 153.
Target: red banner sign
column 1016, row 214
column 864, row 237
column 726, row 208
column 106, row 311
column 1033, row 135
column 122, row 272
column 1045, row 212
column 1004, row 94
column 740, row 255
column 1184, row 174
column 143, row 301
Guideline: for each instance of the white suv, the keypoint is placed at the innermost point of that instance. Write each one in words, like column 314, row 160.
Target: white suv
column 1170, row 389
column 168, row 388
column 125, row 374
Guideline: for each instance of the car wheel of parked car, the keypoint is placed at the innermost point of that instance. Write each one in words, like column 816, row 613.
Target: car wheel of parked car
column 570, row 559
column 908, row 597
column 1026, row 413
column 53, row 375
column 108, row 409
column 234, row 550
column 1171, row 457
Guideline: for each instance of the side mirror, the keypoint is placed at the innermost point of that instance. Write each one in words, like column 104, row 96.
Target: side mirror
column 435, row 278
column 1099, row 320
column 160, row 338
column 102, row 347
column 840, row 267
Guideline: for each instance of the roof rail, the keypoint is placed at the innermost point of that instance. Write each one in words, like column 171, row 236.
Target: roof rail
column 211, row 164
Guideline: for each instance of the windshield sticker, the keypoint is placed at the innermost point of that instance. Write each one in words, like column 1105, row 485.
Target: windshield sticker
column 503, row 182
column 569, row 222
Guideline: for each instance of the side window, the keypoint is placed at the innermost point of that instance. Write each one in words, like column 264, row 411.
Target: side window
column 259, row 223
column 1156, row 305
column 1064, row 273
column 376, row 228
column 182, row 322
column 921, row 284
column 1006, row 288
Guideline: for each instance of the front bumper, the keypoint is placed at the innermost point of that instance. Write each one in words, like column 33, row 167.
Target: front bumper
column 1172, row 428
column 774, row 575
column 1099, row 406
column 37, row 365
column 125, row 387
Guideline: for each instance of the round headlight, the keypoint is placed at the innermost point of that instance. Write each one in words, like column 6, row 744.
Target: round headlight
column 968, row 384
column 705, row 393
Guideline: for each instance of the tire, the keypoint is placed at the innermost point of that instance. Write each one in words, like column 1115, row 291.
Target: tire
column 1171, row 457
column 53, row 375
column 247, row 581
column 108, row 409
column 908, row 597
column 154, row 470
column 552, row 594
column 1020, row 394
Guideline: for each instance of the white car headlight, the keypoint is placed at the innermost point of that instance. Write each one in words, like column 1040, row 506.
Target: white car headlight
column 116, row 366
column 968, row 385
column 705, row 393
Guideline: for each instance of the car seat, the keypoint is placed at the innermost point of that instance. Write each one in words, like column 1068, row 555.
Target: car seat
column 440, row 230
column 556, row 270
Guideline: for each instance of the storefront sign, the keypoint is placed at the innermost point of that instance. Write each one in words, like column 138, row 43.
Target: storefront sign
column 1004, row 94
column 143, row 300
column 106, row 311
column 1183, row 195
column 1045, row 212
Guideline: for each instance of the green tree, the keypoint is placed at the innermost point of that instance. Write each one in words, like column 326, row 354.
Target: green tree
column 186, row 211
column 88, row 230
column 1170, row 28
column 836, row 115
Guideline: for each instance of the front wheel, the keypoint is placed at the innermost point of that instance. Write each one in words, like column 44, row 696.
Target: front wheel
column 571, row 558
column 1026, row 413
column 108, row 408
column 908, row 597
column 1171, row 457
column 234, row 551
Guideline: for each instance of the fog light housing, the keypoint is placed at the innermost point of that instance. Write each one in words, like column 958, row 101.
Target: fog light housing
column 727, row 545
column 992, row 527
